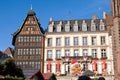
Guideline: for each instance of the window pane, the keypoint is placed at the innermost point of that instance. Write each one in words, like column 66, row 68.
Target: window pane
column 75, row 40
column 84, row 28
column 84, row 39
column 67, row 52
column 58, row 53
column 103, row 53
column 102, row 40
column 75, row 28
column 49, row 56
column 85, row 52
column 67, row 28
column 93, row 28
column 50, row 29
column 94, row 42
column 49, row 41
column 76, row 52
column 58, row 41
column 94, row 53
column 67, row 41
column 58, row 28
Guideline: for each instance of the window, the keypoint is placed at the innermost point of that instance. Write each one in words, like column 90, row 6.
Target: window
column 37, row 52
column 58, row 41
column 93, row 28
column 84, row 27
column 103, row 53
column 85, row 52
column 76, row 52
column 75, row 40
column 30, row 51
column 67, row 52
column 75, row 28
column 102, row 27
column 30, row 29
column 94, row 42
column 67, row 28
column 102, row 40
column 27, row 39
column 27, row 51
column 49, row 41
column 59, row 28
column 94, row 53
column 50, row 29
column 49, row 54
column 19, row 39
column 19, row 51
column 58, row 53
column 84, row 40
column 67, row 41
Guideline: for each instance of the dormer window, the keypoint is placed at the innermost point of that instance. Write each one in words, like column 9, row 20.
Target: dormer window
column 58, row 28
column 50, row 29
column 75, row 28
column 102, row 26
column 84, row 26
column 93, row 27
column 67, row 28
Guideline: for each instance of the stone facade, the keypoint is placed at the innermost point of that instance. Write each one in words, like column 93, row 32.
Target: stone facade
column 85, row 42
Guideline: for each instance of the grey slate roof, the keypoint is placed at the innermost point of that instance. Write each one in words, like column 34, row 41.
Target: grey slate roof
column 72, row 22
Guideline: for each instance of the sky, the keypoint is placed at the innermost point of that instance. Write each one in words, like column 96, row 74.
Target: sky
column 13, row 13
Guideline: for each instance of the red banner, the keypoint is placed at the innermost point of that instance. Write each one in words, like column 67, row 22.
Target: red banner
column 104, row 65
column 94, row 65
column 58, row 65
column 49, row 63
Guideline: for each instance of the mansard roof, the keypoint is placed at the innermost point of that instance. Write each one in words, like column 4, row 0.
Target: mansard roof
column 30, row 13
column 79, row 23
